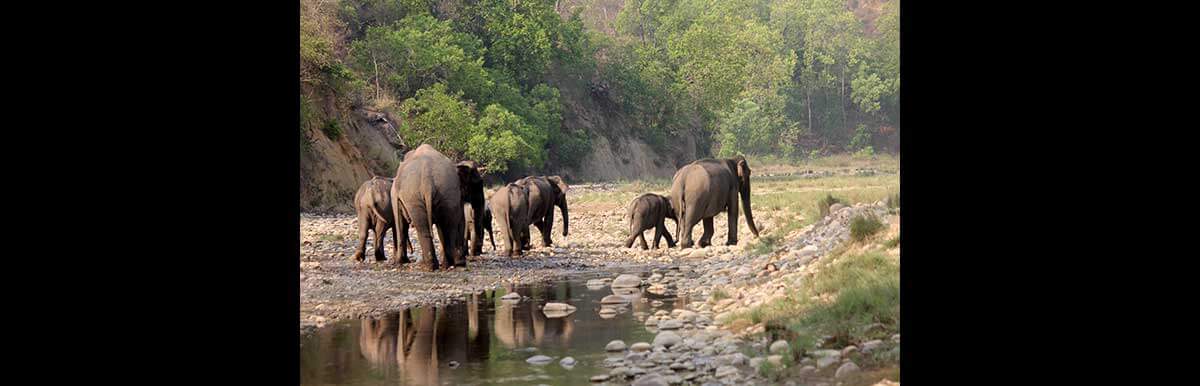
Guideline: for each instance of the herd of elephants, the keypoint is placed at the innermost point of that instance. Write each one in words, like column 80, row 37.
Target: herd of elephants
column 430, row 190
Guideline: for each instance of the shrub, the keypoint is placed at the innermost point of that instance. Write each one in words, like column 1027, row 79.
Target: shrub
column 892, row 243
column 439, row 118
column 863, row 226
column 332, row 129
column 862, row 138
column 824, row 204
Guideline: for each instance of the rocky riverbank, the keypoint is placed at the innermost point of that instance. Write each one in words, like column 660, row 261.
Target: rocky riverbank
column 694, row 346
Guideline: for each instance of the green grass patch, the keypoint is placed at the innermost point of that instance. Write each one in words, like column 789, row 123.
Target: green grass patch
column 824, row 204
column 864, row 226
column 332, row 129
column 839, row 301
column 719, row 294
column 892, row 243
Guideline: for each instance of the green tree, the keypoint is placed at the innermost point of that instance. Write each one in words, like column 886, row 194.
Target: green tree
column 417, row 52
column 501, row 142
column 439, row 118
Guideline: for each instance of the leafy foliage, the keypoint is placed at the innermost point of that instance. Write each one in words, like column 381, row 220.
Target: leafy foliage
column 764, row 77
column 439, row 118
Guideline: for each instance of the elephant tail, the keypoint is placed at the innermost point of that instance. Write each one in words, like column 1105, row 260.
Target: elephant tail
column 379, row 214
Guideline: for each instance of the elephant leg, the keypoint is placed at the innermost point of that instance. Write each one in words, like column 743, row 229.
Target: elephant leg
column 525, row 244
column 405, row 243
column 706, row 237
column 662, row 227
column 447, row 238
column 732, row 212
column 425, row 237
column 380, row 232
column 547, row 227
column 632, row 236
column 690, row 219
column 642, row 240
column 395, row 239
column 491, row 238
column 363, row 224
column 658, row 234
column 544, row 227
column 515, row 242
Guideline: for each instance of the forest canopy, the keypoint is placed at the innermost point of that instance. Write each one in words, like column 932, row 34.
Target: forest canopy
column 790, row 78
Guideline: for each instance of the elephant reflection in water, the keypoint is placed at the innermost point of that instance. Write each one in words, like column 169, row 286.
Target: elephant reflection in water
column 520, row 325
column 418, row 341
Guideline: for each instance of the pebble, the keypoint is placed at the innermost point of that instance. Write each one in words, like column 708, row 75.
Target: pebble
column 627, row 281
column 780, row 347
column 640, row 347
column 539, row 360
column 872, row 345
column 667, row 339
column 600, row 378
column 670, row 324
column 846, row 369
column 616, row 345
column 567, row 362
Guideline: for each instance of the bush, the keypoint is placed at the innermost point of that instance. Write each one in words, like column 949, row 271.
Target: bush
column 332, row 129
column 438, row 118
column 824, row 204
column 863, row 226
column 500, row 141
column 571, row 146
column 862, row 138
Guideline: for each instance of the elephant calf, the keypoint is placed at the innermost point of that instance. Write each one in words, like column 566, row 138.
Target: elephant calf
column 373, row 203
column 650, row 211
column 469, row 212
column 510, row 204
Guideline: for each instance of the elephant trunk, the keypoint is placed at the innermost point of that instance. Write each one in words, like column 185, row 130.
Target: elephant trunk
column 745, row 193
column 562, row 205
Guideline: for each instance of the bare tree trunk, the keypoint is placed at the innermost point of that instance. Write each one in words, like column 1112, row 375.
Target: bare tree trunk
column 376, row 74
column 808, row 98
column 842, row 96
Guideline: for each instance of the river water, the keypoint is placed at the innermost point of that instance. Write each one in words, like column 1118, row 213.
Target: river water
column 483, row 340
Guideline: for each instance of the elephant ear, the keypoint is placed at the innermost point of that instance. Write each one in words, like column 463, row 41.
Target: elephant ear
column 470, row 181
column 742, row 169
column 558, row 181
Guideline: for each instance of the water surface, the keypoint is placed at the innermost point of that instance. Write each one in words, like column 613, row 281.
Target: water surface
column 480, row 341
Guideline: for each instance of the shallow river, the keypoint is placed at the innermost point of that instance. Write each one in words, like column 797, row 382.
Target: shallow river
column 483, row 340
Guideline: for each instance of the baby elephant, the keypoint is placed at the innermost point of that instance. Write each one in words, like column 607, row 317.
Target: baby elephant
column 469, row 212
column 650, row 211
column 373, row 204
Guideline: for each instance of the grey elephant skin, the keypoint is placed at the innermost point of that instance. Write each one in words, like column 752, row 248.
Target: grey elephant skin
column 650, row 211
column 510, row 205
column 545, row 193
column 706, row 187
column 373, row 204
column 429, row 190
column 469, row 213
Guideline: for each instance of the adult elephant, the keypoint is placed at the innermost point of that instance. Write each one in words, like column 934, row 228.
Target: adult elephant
column 706, row 187
column 545, row 193
column 429, row 190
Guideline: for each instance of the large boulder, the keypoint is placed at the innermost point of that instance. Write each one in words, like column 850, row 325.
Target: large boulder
column 667, row 339
column 627, row 281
